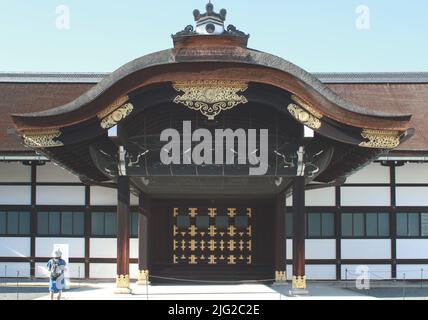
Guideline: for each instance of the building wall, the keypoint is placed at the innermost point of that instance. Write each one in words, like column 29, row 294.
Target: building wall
column 375, row 189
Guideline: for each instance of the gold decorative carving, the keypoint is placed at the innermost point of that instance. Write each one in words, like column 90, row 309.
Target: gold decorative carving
column 122, row 281
column 231, row 259
column 249, row 212
column 113, row 106
column 116, row 116
column 212, row 212
column 210, row 97
column 175, row 212
column 193, row 212
column 381, row 139
column 307, row 107
column 303, row 116
column 43, row 139
column 143, row 276
column 231, row 212
column 280, row 276
column 299, row 282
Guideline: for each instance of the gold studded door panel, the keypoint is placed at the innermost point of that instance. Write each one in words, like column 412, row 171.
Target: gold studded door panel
column 212, row 236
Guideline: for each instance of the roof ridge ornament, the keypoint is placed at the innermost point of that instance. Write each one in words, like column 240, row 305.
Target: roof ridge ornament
column 210, row 23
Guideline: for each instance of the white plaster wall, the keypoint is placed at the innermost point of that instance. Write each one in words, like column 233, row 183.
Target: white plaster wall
column 103, row 196
column 289, row 271
column 76, row 246
column 376, row 271
column 412, row 271
column 53, row 173
column 102, row 270
column 366, row 249
column 103, row 248
column 14, row 172
column 373, row 173
column 412, row 173
column 15, row 247
column 320, row 249
column 133, row 248
column 365, row 196
column 320, row 197
column 412, row 248
column 60, row 195
column 412, row 196
column 133, row 270
column 289, row 247
column 320, row 272
column 134, row 200
column 12, row 269
column 15, row 195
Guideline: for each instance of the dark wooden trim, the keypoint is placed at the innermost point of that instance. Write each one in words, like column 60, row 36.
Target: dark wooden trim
column 123, row 226
column 143, row 232
column 33, row 219
column 280, row 239
column 299, row 226
column 87, row 230
column 393, row 221
column 338, row 233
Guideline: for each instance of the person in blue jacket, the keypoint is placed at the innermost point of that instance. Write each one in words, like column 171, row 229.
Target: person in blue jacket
column 56, row 267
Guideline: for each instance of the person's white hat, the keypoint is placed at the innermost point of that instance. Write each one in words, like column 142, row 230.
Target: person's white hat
column 57, row 254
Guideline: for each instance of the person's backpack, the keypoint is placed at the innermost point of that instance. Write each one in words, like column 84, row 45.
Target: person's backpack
column 55, row 269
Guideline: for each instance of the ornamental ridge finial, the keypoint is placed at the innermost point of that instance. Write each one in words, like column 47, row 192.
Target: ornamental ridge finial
column 210, row 23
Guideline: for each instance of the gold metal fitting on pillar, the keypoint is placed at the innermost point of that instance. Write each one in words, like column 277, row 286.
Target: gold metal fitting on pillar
column 143, row 277
column 122, row 284
column 299, row 282
column 280, row 276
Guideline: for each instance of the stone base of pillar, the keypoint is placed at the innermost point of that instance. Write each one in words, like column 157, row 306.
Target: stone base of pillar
column 280, row 278
column 143, row 278
column 122, row 284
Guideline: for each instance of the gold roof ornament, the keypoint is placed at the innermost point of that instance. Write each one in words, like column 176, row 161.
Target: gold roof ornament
column 304, row 113
column 380, row 139
column 210, row 97
column 116, row 116
column 43, row 139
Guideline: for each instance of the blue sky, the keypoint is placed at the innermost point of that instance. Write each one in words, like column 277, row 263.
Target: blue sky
column 317, row 35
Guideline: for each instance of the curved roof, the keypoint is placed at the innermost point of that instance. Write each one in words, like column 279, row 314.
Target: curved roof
column 202, row 55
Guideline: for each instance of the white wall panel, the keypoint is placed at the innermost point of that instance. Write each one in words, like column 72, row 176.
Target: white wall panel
column 376, row 271
column 289, row 201
column 76, row 246
column 134, row 200
column 320, row 249
column 412, row 173
column 320, row 272
column 60, row 195
column 373, row 173
column 412, row 271
column 412, row 196
column 15, row 247
column 53, row 173
column 289, row 247
column 366, row 249
column 289, row 271
column 133, row 248
column 412, row 248
column 15, row 195
column 320, row 197
column 14, row 172
column 103, row 196
column 365, row 196
column 133, row 270
column 103, row 248
column 12, row 269
column 102, row 270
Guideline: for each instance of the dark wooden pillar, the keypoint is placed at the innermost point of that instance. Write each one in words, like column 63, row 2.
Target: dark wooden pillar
column 280, row 240
column 143, row 239
column 299, row 234
column 123, row 225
